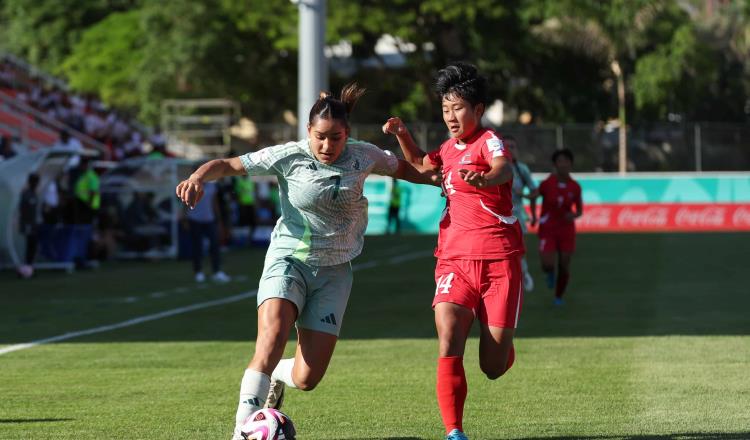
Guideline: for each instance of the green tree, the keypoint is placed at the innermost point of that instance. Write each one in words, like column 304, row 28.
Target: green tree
column 44, row 31
column 615, row 33
column 107, row 59
column 186, row 49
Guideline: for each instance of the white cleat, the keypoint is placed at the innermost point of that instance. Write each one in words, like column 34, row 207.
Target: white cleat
column 200, row 277
column 221, row 277
column 275, row 395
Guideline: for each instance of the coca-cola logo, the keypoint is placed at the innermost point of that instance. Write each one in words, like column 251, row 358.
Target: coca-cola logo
column 598, row 217
column 709, row 216
column 741, row 216
column 652, row 216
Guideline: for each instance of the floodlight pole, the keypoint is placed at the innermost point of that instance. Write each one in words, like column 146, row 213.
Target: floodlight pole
column 312, row 70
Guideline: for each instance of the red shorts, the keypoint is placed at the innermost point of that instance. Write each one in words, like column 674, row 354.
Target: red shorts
column 557, row 240
column 491, row 288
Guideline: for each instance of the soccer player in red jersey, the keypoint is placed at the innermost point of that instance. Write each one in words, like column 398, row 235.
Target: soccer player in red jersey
column 478, row 272
column 561, row 205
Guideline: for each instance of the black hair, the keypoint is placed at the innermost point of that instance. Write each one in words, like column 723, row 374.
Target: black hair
column 462, row 80
column 33, row 180
column 562, row 152
column 329, row 107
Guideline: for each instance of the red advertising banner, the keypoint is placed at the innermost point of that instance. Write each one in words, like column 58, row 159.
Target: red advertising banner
column 664, row 217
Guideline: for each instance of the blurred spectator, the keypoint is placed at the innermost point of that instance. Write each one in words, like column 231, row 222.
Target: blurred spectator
column 203, row 223
column 134, row 146
column 6, row 148
column 244, row 190
column 68, row 143
column 86, row 191
column 265, row 213
column 158, row 144
column 51, row 214
column 159, row 151
column 82, row 113
column 29, row 223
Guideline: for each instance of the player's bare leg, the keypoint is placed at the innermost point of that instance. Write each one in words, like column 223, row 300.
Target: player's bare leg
column 306, row 369
column 453, row 323
column 314, row 352
column 496, row 352
column 275, row 319
column 563, row 274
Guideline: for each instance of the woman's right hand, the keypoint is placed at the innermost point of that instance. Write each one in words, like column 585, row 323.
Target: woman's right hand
column 394, row 126
column 190, row 191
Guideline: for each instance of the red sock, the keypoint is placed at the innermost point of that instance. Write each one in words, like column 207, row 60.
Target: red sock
column 562, row 283
column 451, row 391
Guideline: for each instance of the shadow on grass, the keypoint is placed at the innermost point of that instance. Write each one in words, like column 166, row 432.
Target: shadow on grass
column 14, row 421
column 652, row 285
column 680, row 436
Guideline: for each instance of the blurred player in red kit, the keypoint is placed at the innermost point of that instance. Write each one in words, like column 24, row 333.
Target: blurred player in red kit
column 561, row 205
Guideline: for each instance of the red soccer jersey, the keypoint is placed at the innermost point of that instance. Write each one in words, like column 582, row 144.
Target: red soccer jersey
column 558, row 199
column 477, row 223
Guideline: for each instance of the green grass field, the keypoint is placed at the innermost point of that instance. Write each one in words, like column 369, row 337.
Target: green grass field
column 653, row 343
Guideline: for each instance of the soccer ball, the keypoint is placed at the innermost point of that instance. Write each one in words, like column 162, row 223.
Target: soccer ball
column 268, row 424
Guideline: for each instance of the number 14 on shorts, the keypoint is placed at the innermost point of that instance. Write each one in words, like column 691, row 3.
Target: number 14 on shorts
column 444, row 283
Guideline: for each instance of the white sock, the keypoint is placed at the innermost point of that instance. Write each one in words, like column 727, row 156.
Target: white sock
column 253, row 392
column 283, row 372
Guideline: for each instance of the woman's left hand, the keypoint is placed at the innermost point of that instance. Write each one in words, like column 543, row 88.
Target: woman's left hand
column 473, row 178
column 190, row 191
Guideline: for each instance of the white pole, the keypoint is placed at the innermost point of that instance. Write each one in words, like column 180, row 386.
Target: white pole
column 312, row 71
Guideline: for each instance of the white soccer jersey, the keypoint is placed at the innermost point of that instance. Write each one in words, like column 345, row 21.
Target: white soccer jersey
column 323, row 209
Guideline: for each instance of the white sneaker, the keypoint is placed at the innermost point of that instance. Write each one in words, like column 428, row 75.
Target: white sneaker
column 200, row 277
column 221, row 277
column 528, row 282
column 275, row 395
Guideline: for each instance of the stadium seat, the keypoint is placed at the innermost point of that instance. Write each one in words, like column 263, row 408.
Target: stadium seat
column 41, row 136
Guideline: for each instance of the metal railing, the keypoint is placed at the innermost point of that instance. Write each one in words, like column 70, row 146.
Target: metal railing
column 654, row 147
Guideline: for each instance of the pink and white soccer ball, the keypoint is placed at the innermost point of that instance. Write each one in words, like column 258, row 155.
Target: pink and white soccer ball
column 268, row 424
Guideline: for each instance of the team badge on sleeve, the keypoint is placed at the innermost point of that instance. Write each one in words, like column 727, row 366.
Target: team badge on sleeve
column 259, row 156
column 496, row 146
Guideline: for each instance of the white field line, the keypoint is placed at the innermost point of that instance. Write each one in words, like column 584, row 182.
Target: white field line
column 130, row 322
column 185, row 309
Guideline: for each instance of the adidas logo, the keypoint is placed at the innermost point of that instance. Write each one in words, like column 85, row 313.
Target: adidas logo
column 311, row 166
column 253, row 401
column 330, row 319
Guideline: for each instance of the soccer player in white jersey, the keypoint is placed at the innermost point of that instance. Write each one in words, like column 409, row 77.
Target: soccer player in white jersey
column 307, row 276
